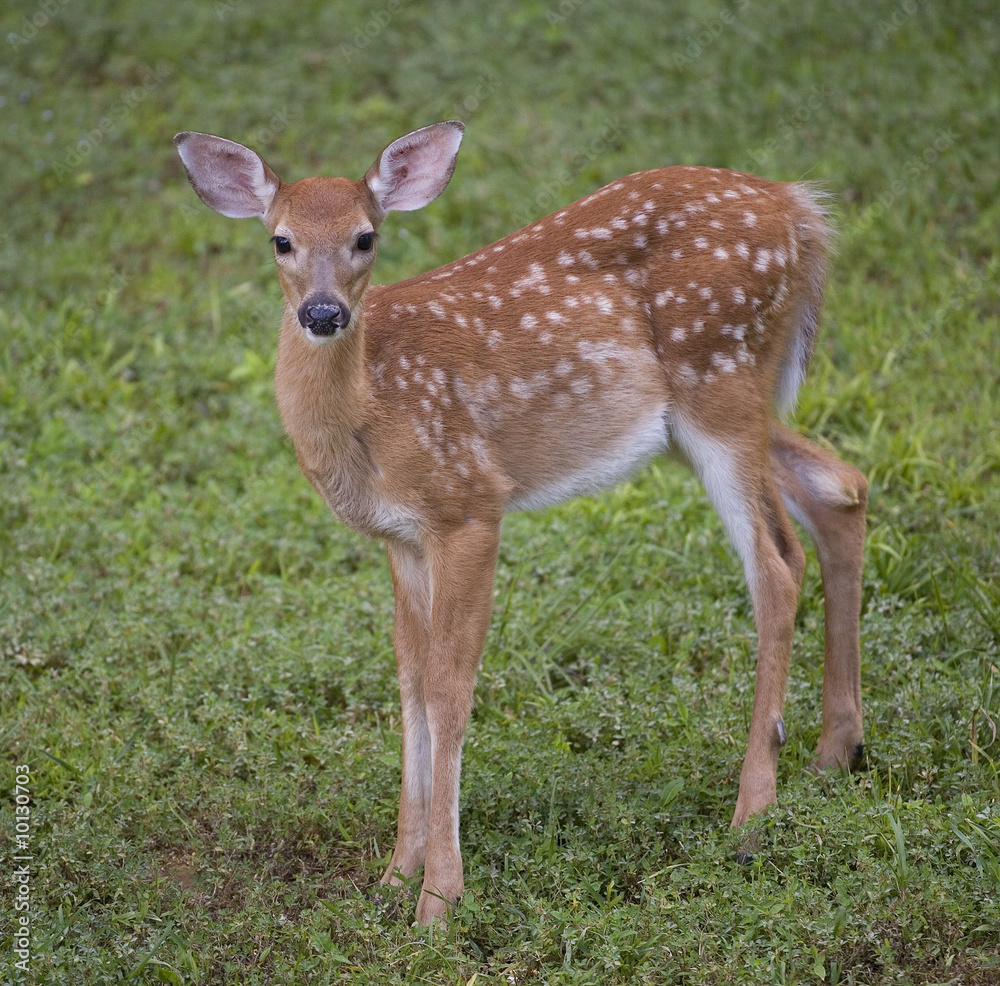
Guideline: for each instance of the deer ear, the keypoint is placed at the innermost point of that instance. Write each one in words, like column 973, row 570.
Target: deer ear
column 228, row 177
column 415, row 169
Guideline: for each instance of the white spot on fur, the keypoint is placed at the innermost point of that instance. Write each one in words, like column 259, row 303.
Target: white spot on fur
column 534, row 279
column 688, row 376
column 724, row 363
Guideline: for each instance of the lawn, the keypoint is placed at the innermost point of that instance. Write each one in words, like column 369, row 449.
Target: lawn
column 198, row 694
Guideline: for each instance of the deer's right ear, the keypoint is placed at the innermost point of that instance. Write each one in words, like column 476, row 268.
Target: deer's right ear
column 415, row 169
column 228, row 177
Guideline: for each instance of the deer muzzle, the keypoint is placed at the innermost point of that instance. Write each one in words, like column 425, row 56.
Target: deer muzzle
column 323, row 316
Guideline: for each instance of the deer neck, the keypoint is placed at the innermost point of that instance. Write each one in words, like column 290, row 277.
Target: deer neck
column 324, row 398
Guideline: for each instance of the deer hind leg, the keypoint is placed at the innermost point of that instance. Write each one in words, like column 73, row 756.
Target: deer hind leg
column 737, row 477
column 828, row 498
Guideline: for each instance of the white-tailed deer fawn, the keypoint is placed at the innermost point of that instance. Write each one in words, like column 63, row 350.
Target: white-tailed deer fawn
column 669, row 311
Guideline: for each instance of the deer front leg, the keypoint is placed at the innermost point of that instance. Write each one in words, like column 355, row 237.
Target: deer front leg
column 411, row 639
column 828, row 497
column 447, row 602
column 463, row 570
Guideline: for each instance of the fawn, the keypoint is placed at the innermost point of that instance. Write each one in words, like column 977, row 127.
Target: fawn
column 671, row 311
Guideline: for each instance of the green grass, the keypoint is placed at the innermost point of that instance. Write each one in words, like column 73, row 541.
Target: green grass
column 196, row 659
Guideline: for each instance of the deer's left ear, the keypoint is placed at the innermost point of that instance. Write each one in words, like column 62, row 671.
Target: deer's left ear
column 415, row 169
column 228, row 177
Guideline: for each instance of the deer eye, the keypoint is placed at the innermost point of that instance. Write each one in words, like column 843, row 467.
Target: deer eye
column 365, row 241
column 281, row 243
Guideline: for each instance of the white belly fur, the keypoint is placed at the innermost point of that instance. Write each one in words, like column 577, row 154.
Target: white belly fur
column 634, row 449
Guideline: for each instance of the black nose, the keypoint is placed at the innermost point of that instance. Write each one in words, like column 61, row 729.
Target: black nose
column 323, row 317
